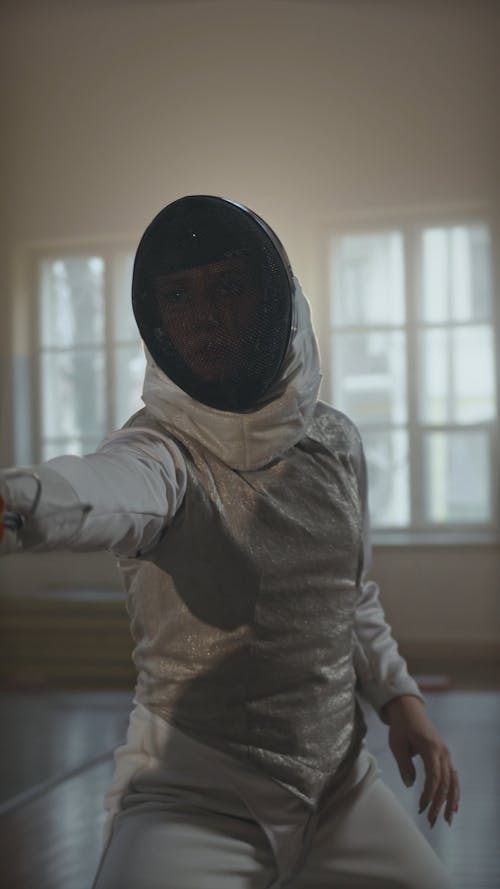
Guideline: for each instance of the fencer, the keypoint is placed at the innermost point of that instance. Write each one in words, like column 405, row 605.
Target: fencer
column 236, row 504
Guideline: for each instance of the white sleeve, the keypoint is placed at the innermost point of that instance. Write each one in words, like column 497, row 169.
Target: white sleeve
column 134, row 484
column 381, row 672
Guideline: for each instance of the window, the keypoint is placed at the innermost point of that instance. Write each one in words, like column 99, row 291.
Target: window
column 411, row 358
column 90, row 358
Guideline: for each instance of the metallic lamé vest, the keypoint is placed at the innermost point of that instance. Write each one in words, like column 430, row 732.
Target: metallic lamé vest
column 243, row 613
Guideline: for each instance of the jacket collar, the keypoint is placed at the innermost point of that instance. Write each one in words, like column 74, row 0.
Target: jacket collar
column 251, row 440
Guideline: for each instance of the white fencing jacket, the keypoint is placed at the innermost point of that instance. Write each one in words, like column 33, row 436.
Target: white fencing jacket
column 142, row 482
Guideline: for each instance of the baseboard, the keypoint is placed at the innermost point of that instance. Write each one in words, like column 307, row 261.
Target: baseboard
column 460, row 664
column 74, row 638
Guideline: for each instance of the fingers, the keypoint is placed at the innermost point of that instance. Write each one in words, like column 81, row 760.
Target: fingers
column 441, row 786
column 433, row 777
column 453, row 797
column 441, row 795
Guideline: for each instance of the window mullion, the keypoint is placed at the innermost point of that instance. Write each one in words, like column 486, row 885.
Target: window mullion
column 36, row 393
column 109, row 330
column 495, row 320
column 451, row 387
column 411, row 236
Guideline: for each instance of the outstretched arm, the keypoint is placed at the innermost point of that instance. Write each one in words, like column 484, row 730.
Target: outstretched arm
column 133, row 484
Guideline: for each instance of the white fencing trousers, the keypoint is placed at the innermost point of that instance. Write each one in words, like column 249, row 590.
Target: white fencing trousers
column 182, row 815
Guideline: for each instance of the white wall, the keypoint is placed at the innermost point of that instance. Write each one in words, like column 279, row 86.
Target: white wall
column 302, row 110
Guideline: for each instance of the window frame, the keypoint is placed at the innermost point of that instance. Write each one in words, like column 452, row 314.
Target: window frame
column 112, row 251
column 410, row 222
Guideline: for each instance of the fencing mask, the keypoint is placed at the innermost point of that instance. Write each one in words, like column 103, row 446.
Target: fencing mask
column 212, row 297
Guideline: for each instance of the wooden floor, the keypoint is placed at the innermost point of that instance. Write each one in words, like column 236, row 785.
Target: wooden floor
column 56, row 762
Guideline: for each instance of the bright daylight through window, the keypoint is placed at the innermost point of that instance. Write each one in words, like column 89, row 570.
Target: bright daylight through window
column 412, row 351
column 91, row 359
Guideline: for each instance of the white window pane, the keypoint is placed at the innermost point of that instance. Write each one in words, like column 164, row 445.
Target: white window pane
column 57, row 447
column 130, row 365
column 388, row 477
column 458, row 476
column 73, row 394
column 435, row 389
column 369, row 376
column 125, row 326
column 72, row 301
column 474, row 372
column 456, row 274
column 458, row 375
column 367, row 279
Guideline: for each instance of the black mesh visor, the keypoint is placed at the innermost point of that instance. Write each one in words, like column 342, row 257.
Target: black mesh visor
column 212, row 297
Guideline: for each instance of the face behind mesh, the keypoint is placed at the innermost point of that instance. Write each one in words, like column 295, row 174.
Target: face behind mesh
column 212, row 298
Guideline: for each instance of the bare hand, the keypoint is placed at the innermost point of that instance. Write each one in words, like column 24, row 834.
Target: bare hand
column 412, row 733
